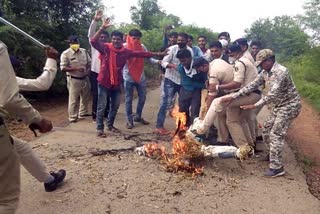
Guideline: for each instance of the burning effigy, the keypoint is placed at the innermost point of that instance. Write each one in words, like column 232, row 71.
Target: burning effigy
column 186, row 150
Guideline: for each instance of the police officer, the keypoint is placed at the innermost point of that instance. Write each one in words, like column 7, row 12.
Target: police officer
column 76, row 62
column 283, row 97
column 241, row 123
column 11, row 102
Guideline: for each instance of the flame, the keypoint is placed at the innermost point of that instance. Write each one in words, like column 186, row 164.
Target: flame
column 153, row 149
column 183, row 148
column 180, row 117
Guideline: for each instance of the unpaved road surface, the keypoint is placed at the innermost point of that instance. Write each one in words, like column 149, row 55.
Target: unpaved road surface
column 128, row 183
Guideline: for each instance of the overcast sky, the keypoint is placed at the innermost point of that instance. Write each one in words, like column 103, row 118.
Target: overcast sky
column 233, row 16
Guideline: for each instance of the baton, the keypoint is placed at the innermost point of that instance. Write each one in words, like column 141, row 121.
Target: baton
column 22, row 32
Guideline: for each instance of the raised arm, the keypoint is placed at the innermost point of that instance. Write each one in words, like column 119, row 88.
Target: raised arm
column 44, row 81
column 95, row 39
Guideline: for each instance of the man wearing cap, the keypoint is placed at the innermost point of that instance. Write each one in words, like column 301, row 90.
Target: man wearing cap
column 75, row 61
column 245, row 49
column 283, row 97
column 241, row 123
column 192, row 82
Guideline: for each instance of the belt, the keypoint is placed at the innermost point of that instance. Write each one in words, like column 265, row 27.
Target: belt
column 78, row 78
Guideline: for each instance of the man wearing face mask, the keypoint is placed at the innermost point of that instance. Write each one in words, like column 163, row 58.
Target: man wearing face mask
column 113, row 58
column 75, row 61
column 172, row 80
column 224, row 38
column 241, row 123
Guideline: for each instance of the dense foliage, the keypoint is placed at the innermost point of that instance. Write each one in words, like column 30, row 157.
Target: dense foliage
column 52, row 21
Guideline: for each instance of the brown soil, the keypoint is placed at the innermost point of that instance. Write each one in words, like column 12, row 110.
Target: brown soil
column 127, row 183
column 305, row 137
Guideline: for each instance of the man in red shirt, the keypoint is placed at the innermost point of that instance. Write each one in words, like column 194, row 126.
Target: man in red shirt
column 113, row 58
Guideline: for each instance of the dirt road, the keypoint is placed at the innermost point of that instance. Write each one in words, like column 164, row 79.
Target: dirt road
column 128, row 183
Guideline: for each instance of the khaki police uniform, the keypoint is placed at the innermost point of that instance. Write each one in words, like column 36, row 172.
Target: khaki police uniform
column 14, row 104
column 241, row 123
column 220, row 72
column 78, row 83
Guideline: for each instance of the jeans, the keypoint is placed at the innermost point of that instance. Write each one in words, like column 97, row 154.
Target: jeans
column 142, row 91
column 169, row 90
column 94, row 92
column 114, row 95
column 190, row 100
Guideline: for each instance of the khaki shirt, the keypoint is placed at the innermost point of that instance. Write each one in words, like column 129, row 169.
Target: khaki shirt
column 248, row 55
column 220, row 72
column 10, row 100
column 41, row 83
column 244, row 71
column 70, row 58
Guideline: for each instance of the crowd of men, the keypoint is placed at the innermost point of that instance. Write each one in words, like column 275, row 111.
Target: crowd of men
column 221, row 84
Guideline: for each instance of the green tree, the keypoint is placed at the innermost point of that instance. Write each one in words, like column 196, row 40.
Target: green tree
column 146, row 14
column 282, row 34
column 311, row 19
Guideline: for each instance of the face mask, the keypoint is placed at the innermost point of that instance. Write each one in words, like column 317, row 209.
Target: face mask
column 182, row 45
column 224, row 42
column 75, row 47
column 232, row 60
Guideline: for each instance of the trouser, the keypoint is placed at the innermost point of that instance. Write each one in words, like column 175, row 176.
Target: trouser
column 94, row 92
column 103, row 93
column 223, row 131
column 142, row 95
column 79, row 94
column 275, row 129
column 169, row 90
column 190, row 100
column 9, row 173
column 203, row 107
column 257, row 129
column 241, row 123
column 30, row 161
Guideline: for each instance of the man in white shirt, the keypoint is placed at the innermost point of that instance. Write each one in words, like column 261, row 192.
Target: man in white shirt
column 13, row 151
column 172, row 80
column 95, row 64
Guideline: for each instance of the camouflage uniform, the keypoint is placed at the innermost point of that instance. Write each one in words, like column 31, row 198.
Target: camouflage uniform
column 284, row 101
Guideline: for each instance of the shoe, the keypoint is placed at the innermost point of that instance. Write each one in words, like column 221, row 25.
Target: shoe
column 272, row 173
column 85, row 115
column 58, row 178
column 113, row 129
column 161, row 131
column 100, row 133
column 129, row 125
column 73, row 121
column 141, row 120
